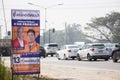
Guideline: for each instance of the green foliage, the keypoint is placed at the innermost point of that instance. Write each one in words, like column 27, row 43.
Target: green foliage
column 107, row 26
column 5, row 73
column 116, row 35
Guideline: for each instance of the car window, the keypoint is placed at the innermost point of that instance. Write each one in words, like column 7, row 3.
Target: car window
column 99, row 46
column 53, row 45
column 88, row 46
column 73, row 47
column 41, row 47
column 84, row 47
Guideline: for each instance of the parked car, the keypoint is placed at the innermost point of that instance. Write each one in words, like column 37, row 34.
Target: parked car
column 116, row 53
column 67, row 51
column 93, row 51
column 5, row 51
column 42, row 52
column 111, row 47
column 51, row 48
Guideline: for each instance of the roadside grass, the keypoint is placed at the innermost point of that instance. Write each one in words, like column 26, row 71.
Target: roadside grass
column 5, row 74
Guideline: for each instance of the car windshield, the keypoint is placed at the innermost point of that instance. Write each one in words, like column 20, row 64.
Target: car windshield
column 73, row 47
column 99, row 46
column 53, row 45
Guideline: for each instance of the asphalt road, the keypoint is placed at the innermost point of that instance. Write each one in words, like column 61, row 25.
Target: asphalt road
column 99, row 64
column 77, row 70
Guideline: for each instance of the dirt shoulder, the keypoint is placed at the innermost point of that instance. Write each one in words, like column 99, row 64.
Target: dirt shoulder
column 69, row 73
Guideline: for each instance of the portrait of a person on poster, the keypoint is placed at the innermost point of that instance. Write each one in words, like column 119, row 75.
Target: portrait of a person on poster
column 32, row 45
column 19, row 42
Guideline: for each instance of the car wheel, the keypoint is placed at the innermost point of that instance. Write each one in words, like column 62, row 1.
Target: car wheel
column 106, row 59
column 89, row 57
column 95, row 59
column 44, row 56
column 114, row 58
column 73, row 58
column 65, row 58
column 51, row 55
column 78, row 57
column 58, row 57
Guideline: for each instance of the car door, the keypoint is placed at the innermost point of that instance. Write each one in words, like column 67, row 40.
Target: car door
column 82, row 51
column 62, row 52
column 85, row 51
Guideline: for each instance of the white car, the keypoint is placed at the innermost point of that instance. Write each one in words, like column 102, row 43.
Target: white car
column 111, row 47
column 51, row 48
column 67, row 51
column 93, row 51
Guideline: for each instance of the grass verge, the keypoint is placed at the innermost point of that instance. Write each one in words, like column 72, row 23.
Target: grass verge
column 5, row 74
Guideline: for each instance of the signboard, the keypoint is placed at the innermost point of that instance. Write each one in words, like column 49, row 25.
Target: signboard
column 25, row 42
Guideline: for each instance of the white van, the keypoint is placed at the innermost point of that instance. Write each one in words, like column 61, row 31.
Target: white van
column 51, row 48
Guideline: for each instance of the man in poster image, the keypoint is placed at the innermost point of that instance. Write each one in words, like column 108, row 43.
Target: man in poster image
column 19, row 42
column 32, row 45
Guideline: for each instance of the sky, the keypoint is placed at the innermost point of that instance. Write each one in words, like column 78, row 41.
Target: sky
column 72, row 11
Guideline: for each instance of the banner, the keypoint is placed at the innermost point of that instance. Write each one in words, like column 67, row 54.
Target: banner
column 25, row 41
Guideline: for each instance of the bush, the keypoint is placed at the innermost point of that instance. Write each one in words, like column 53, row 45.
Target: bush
column 5, row 74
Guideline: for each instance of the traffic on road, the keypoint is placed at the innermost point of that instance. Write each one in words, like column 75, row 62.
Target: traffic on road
column 89, row 51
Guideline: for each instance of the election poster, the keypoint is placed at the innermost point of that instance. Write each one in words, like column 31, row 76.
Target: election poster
column 25, row 41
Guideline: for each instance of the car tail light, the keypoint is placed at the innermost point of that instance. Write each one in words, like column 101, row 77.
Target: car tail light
column 69, row 50
column 92, row 49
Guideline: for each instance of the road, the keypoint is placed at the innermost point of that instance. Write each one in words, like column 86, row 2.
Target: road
column 77, row 70
column 80, row 70
column 99, row 64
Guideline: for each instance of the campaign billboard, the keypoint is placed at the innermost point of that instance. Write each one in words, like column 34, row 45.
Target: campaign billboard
column 25, row 41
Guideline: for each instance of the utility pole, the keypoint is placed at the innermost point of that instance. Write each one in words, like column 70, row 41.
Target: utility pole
column 0, row 32
column 46, row 8
column 65, row 33
column 5, row 20
column 49, row 35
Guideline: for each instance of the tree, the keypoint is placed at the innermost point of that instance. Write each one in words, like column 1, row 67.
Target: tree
column 108, row 26
column 74, row 33
column 71, row 34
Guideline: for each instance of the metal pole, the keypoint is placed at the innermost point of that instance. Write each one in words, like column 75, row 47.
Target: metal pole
column 65, row 33
column 11, row 57
column 38, row 77
column 45, row 24
column 0, row 32
column 0, row 44
column 49, row 35
column 4, row 19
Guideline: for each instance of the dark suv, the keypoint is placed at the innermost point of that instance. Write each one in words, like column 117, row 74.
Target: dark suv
column 116, row 53
column 42, row 52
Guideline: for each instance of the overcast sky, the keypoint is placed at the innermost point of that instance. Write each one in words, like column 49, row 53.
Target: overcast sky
column 73, row 11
